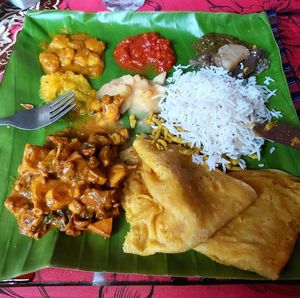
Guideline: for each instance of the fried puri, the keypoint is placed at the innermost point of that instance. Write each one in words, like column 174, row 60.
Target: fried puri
column 172, row 204
column 261, row 238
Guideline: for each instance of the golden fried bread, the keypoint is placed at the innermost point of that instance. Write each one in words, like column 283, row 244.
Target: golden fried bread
column 261, row 238
column 173, row 204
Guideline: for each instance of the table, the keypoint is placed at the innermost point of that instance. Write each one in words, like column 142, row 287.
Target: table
column 285, row 20
column 74, row 283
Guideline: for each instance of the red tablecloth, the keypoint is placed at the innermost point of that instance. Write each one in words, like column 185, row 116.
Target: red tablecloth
column 288, row 14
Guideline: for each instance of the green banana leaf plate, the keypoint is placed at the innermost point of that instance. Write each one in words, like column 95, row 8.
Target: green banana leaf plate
column 20, row 254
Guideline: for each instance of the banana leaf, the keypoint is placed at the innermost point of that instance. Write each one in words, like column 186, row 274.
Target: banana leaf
column 20, row 254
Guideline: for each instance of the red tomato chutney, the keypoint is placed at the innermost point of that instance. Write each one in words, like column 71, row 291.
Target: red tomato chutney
column 145, row 52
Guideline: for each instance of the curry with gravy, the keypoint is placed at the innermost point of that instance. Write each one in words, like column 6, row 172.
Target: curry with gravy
column 79, row 53
column 72, row 183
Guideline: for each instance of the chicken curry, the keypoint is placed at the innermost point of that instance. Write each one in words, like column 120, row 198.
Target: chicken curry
column 73, row 182
column 79, row 53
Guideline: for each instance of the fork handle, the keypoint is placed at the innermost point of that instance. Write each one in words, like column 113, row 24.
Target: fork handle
column 5, row 121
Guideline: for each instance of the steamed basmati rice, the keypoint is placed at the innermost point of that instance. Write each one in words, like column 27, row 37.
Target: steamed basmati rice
column 218, row 113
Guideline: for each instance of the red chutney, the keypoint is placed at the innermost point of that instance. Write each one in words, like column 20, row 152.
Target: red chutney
column 144, row 52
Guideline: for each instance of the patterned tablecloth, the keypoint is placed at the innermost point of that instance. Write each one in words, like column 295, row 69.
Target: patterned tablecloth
column 285, row 22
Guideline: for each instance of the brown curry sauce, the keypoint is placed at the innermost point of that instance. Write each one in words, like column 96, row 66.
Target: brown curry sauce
column 72, row 183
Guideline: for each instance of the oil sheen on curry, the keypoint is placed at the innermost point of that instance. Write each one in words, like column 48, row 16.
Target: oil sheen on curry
column 72, row 183
column 79, row 53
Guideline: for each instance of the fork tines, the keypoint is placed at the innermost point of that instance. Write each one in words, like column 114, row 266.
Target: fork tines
column 62, row 105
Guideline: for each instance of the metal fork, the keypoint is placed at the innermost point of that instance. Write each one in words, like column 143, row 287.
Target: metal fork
column 42, row 116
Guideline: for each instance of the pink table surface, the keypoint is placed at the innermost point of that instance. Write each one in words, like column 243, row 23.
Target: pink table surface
column 289, row 20
column 132, row 291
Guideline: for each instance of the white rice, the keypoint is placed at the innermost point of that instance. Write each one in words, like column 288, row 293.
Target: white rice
column 218, row 112
column 268, row 80
column 272, row 149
